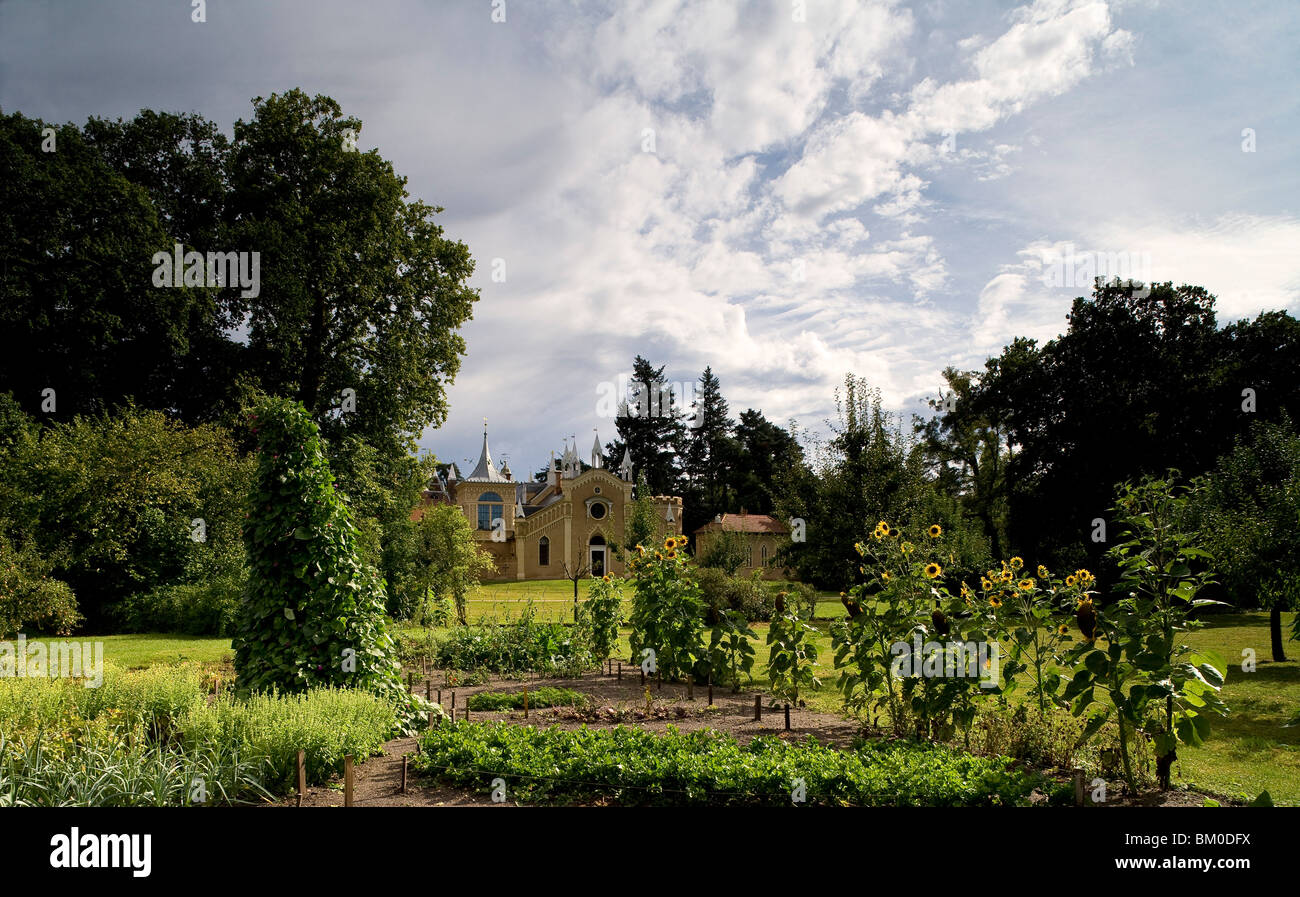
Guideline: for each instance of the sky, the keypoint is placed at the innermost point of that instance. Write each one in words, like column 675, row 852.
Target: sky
column 787, row 190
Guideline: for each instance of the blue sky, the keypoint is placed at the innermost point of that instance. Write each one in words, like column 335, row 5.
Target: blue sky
column 880, row 188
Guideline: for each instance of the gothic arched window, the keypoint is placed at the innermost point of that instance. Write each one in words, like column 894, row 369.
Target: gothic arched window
column 490, row 507
column 544, row 552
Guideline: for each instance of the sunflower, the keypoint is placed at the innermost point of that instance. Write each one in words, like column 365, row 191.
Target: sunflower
column 860, row 548
column 985, row 584
column 659, row 556
column 1086, row 616
column 670, row 543
column 893, row 532
column 1006, row 576
column 606, row 579
column 995, row 600
column 1084, row 577
column 1070, row 580
column 877, row 535
column 1026, row 585
column 884, row 575
column 1017, row 563
column 640, row 550
column 932, row 570
column 936, row 531
column 882, row 526
column 1063, row 629
column 1042, row 572
column 671, row 554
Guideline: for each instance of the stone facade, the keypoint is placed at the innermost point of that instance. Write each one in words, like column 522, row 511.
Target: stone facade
column 542, row 530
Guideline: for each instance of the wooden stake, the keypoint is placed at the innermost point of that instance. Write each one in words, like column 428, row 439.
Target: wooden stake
column 787, row 717
column 758, row 707
column 428, row 689
column 347, row 780
column 467, row 710
column 302, row 776
column 710, row 692
column 404, row 762
column 690, row 687
column 433, row 719
column 620, row 671
column 410, row 681
column 1079, row 799
column 525, row 702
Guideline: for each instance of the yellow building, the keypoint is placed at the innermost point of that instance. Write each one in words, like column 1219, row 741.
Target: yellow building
column 764, row 536
column 545, row 530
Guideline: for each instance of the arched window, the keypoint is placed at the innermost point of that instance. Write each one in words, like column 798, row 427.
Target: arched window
column 764, row 555
column 490, row 507
column 544, row 552
column 749, row 555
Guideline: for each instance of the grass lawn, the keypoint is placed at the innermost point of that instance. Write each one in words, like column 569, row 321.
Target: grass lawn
column 140, row 650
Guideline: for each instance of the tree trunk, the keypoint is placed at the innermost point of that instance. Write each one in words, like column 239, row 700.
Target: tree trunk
column 1275, row 633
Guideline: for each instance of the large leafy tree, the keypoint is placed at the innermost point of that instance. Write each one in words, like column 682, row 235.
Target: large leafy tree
column 80, row 314
column 1248, row 513
column 110, row 501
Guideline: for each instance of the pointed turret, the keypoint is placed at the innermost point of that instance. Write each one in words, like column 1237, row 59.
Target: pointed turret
column 596, row 460
column 485, row 471
column 625, row 467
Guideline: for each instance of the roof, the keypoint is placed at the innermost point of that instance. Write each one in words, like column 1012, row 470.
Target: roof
column 485, row 471
column 745, row 523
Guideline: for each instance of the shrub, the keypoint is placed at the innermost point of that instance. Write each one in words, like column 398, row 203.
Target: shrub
column 747, row 596
column 207, row 608
column 326, row 723
column 29, row 598
column 638, row 767
column 521, row 646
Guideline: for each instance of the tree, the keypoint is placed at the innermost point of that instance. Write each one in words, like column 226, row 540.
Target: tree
column 866, row 472
column 764, row 453
column 650, row 426
column 727, row 551
column 313, row 614
column 642, row 524
column 1128, row 390
column 447, row 559
column 1247, row 511
column 709, row 454
column 122, row 504
column 80, row 315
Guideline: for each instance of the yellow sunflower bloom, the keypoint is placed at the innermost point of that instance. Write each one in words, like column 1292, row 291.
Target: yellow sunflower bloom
column 1042, row 572
column 1026, row 585
column 933, row 570
column 884, row 575
column 1017, row 563
column 1070, row 580
column 936, row 531
column 995, row 600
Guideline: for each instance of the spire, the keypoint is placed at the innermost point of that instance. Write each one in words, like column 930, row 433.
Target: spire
column 625, row 467
column 595, row 451
column 485, row 471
